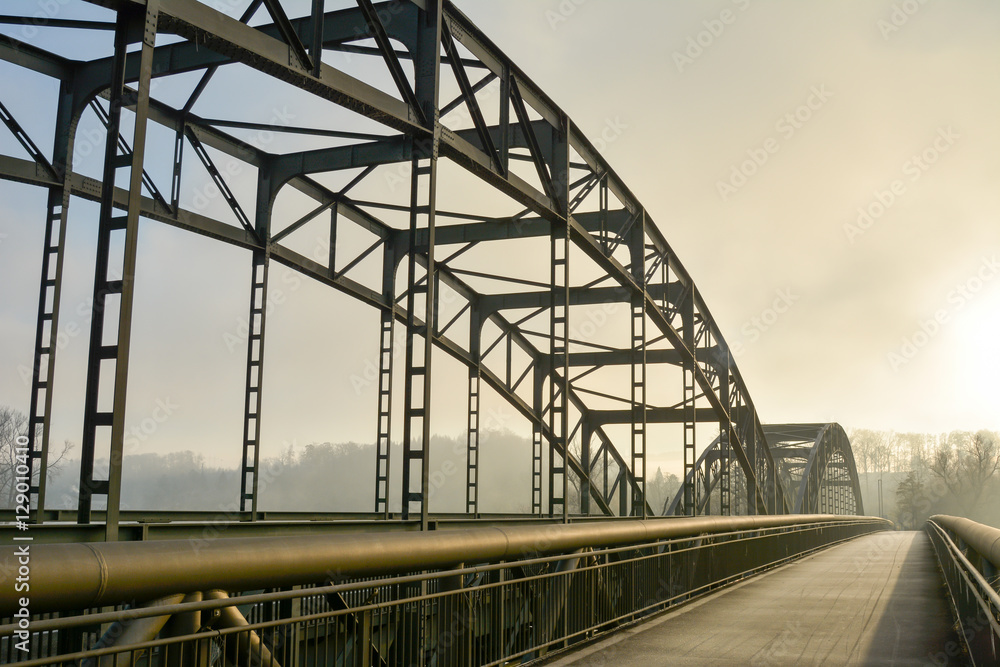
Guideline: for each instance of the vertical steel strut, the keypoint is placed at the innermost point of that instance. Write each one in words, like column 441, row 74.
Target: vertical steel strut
column 421, row 285
column 690, row 453
column 473, row 431
column 725, row 498
column 420, row 319
column 384, row 434
column 387, row 330
column 98, row 419
column 638, row 369
column 472, row 468
column 255, row 368
column 46, row 338
column 50, row 290
column 560, row 245
column 536, row 440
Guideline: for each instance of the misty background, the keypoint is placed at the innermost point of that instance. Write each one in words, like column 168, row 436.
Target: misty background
column 905, row 477
column 845, row 99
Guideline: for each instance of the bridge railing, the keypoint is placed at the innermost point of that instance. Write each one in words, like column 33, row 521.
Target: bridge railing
column 969, row 554
column 483, row 596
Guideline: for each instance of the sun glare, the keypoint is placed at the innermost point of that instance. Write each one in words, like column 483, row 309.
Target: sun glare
column 978, row 353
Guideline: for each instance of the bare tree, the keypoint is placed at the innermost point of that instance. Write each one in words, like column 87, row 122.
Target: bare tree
column 967, row 465
column 981, row 462
column 660, row 490
column 14, row 424
column 872, row 452
column 912, row 450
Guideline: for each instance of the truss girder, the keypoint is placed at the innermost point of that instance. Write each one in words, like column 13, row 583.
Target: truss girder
column 812, row 457
column 213, row 39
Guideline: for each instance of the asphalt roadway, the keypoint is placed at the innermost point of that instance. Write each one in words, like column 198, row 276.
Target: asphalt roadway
column 876, row 600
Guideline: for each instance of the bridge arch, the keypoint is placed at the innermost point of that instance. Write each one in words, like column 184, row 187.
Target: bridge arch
column 815, row 466
column 518, row 144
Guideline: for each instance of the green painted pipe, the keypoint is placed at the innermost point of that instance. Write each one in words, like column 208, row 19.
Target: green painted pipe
column 984, row 539
column 85, row 575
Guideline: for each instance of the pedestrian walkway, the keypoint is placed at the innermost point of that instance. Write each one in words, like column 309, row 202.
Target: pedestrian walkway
column 876, row 600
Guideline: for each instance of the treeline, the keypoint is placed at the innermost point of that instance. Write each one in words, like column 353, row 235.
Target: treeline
column 918, row 475
column 318, row 477
column 925, row 474
column 330, row 477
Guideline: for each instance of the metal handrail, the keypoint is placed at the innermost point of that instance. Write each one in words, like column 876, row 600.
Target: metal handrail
column 277, row 596
column 973, row 576
column 985, row 540
column 974, row 599
column 633, row 566
column 83, row 575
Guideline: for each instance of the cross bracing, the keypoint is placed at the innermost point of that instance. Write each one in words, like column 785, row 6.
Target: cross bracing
column 436, row 105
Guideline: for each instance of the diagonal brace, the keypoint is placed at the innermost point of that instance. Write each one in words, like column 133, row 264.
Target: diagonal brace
column 378, row 32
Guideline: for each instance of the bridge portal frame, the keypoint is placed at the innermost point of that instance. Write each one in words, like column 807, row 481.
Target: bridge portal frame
column 816, row 467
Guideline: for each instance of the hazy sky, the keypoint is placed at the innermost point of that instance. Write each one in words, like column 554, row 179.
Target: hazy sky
column 838, row 102
column 827, row 172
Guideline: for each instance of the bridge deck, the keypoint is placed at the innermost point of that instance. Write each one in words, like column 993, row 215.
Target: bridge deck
column 877, row 600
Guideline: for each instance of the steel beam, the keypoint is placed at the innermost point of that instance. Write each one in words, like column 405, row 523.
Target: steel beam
column 637, row 243
column 141, row 21
column 473, row 425
column 387, row 329
column 596, row 236
column 555, row 175
column 421, row 284
column 49, row 298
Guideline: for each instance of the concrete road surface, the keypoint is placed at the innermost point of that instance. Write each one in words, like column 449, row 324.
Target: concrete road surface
column 877, row 600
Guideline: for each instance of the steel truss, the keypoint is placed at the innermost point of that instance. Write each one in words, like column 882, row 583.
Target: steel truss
column 815, row 463
column 570, row 195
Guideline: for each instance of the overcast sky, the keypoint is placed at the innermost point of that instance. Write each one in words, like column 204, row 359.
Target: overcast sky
column 827, row 172
column 872, row 202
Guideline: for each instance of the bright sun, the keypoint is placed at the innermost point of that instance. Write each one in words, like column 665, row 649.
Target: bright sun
column 977, row 354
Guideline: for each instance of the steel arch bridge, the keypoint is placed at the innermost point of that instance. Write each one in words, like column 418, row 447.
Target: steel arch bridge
column 815, row 464
column 439, row 107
